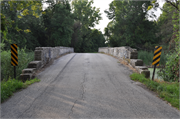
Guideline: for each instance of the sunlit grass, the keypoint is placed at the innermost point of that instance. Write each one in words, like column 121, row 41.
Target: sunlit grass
column 12, row 85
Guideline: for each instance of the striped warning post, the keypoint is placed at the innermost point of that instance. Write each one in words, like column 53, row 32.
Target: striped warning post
column 157, row 55
column 14, row 55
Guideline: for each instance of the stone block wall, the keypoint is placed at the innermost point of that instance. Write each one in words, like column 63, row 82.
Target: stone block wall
column 46, row 54
column 43, row 55
column 120, row 52
column 125, row 53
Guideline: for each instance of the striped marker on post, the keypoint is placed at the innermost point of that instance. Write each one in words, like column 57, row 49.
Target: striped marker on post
column 14, row 57
column 156, row 58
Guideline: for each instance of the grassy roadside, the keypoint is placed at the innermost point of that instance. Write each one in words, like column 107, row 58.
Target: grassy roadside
column 11, row 86
column 166, row 90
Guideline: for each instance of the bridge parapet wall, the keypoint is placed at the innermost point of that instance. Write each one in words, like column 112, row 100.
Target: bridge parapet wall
column 129, row 54
column 46, row 54
column 120, row 52
column 103, row 49
column 42, row 56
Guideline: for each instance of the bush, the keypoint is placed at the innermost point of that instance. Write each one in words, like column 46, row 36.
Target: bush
column 171, row 71
column 7, row 70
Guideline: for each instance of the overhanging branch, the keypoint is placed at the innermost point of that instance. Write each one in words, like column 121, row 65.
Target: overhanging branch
column 174, row 5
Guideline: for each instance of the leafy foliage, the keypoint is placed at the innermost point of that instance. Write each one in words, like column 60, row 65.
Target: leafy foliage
column 171, row 11
column 19, row 16
column 58, row 22
column 171, row 71
column 7, row 68
column 166, row 26
column 11, row 10
column 26, row 24
column 130, row 26
column 86, row 17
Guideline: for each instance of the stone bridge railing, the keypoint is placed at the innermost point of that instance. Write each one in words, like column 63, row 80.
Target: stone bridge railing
column 130, row 55
column 120, row 52
column 42, row 56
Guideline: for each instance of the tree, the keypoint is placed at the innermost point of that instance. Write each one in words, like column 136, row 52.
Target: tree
column 21, row 8
column 86, row 16
column 58, row 22
column 166, row 26
column 15, row 22
column 96, row 40
column 130, row 25
column 171, row 70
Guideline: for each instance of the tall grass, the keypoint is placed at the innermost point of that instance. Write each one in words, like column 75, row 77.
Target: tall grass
column 7, row 70
column 147, row 57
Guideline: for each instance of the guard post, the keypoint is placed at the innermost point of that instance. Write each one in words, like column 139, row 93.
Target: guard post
column 14, row 57
column 156, row 58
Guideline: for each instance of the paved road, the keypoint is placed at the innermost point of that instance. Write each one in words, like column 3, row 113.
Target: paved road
column 86, row 85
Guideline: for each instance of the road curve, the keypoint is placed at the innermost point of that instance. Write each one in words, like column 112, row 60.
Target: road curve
column 86, row 85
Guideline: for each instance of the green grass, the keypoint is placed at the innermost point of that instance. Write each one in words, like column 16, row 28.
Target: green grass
column 12, row 85
column 166, row 90
column 147, row 57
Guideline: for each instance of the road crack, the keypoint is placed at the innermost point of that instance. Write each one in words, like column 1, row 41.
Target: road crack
column 83, row 87
column 69, row 115
column 82, row 95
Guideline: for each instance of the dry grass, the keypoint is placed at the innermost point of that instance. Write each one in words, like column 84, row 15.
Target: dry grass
column 125, row 62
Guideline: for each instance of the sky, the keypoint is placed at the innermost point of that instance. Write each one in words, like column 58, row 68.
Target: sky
column 104, row 4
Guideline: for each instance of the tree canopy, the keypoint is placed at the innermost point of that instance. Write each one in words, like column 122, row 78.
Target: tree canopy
column 129, row 25
column 60, row 24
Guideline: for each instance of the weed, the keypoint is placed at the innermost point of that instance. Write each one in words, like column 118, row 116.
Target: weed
column 12, row 85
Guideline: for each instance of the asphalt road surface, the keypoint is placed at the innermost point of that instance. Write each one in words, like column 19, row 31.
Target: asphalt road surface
column 86, row 85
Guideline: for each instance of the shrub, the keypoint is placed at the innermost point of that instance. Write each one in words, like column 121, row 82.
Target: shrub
column 171, row 71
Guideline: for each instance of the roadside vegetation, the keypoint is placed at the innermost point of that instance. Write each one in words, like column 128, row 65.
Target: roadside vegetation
column 7, row 70
column 27, row 24
column 134, row 28
column 9, row 85
column 62, row 23
column 168, row 91
column 147, row 57
column 12, row 85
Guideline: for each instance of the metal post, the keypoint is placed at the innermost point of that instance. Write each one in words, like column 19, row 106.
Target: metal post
column 153, row 72
column 14, row 72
